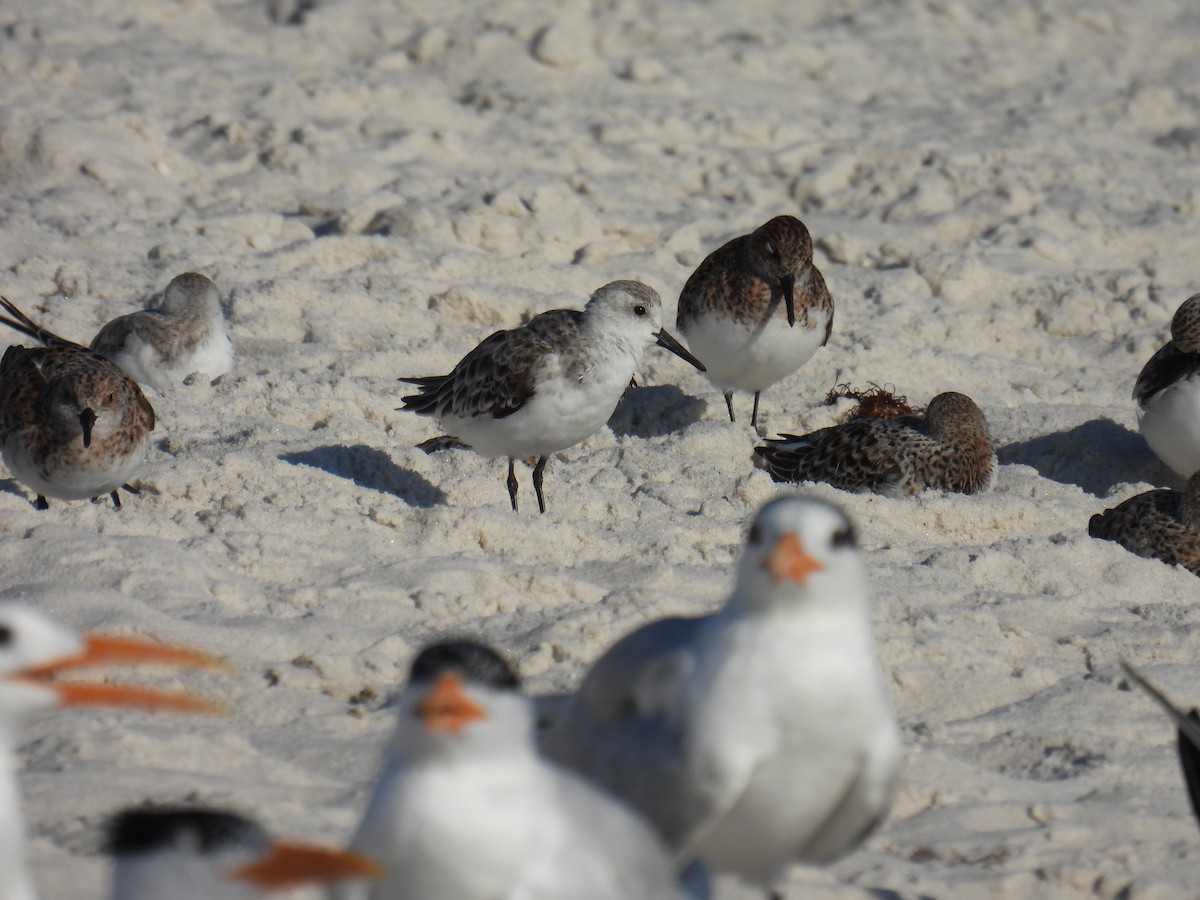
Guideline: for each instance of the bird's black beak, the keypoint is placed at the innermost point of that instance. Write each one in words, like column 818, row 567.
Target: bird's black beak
column 788, row 284
column 667, row 342
column 87, row 419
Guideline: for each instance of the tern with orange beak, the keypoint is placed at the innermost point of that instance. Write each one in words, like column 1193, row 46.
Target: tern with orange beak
column 33, row 651
column 202, row 854
column 466, row 809
column 760, row 734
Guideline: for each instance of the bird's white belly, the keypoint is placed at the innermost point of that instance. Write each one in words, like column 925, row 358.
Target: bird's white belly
column 1170, row 423
column 214, row 357
column 149, row 366
column 559, row 415
column 781, row 809
column 447, row 835
column 93, row 477
column 752, row 360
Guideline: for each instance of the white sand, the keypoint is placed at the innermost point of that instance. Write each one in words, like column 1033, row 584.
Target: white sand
column 1006, row 202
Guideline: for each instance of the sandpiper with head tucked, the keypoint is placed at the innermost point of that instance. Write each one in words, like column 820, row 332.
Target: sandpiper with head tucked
column 160, row 346
column 948, row 448
column 1162, row 524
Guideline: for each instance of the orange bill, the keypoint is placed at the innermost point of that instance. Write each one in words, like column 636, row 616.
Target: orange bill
column 83, row 694
column 292, row 865
column 446, row 708
column 790, row 560
column 101, row 650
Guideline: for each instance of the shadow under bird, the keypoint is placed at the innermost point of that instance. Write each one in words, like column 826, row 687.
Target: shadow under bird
column 761, row 734
column 756, row 309
column 1161, row 524
column 73, row 425
column 947, row 448
column 183, row 853
column 1187, row 728
column 466, row 809
column 34, row 651
column 1167, row 393
column 553, row 382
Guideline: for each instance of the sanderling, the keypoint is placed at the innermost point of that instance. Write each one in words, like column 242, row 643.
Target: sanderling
column 1167, row 393
column 161, row 346
column 546, row 386
column 946, row 449
column 72, row 425
column 164, row 345
column 1160, row 524
column 466, row 809
column 756, row 309
column 760, row 734
column 187, row 853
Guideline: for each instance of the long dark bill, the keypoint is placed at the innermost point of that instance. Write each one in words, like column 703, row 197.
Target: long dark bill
column 788, row 284
column 669, row 343
column 87, row 419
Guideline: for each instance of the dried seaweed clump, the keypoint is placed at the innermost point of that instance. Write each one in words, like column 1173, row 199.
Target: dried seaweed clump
column 875, row 402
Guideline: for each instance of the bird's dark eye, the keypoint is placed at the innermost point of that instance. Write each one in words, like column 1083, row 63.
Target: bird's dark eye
column 639, row 310
column 844, row 537
column 6, row 636
column 770, row 248
column 755, row 534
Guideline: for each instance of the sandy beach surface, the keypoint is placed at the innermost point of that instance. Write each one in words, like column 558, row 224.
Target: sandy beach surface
column 1005, row 201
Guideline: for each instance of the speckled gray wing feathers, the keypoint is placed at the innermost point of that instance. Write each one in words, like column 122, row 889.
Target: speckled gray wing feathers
column 1152, row 525
column 21, row 381
column 498, row 377
column 1166, row 367
column 861, row 454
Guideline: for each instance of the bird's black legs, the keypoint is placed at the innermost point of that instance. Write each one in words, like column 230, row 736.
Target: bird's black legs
column 116, row 499
column 729, row 405
column 537, row 481
column 42, row 502
column 754, row 415
column 512, row 483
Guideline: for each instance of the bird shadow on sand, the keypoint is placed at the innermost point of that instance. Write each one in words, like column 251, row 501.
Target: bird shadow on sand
column 372, row 469
column 1095, row 456
column 647, row 412
column 12, row 486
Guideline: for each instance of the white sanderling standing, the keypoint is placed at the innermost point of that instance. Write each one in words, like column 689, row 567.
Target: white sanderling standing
column 185, row 853
column 34, row 650
column 466, row 809
column 947, row 449
column 760, row 734
column 1187, row 734
column 1162, row 524
column 72, row 425
column 756, row 309
column 1167, row 393
column 161, row 346
column 546, row 386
